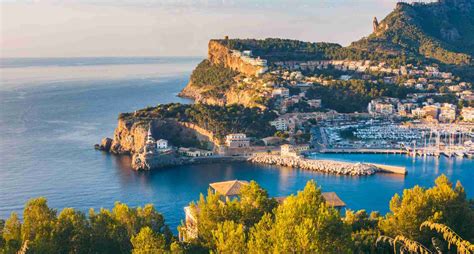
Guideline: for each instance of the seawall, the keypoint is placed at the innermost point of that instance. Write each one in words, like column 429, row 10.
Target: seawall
column 326, row 166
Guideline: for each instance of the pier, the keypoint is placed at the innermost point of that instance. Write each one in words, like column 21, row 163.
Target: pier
column 391, row 169
column 327, row 166
column 364, row 151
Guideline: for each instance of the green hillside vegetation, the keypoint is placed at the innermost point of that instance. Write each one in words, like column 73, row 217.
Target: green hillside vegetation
column 354, row 95
column 213, row 79
column 119, row 230
column 442, row 32
column 274, row 49
column 439, row 219
column 220, row 120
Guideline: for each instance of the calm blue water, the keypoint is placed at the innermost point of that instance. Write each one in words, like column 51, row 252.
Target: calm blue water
column 51, row 114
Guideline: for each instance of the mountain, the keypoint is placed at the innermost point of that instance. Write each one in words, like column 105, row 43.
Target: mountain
column 442, row 31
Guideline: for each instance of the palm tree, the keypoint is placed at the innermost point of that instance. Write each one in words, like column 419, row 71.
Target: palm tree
column 463, row 246
column 411, row 246
column 406, row 245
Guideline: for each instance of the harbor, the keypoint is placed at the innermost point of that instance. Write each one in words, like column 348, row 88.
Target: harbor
column 415, row 139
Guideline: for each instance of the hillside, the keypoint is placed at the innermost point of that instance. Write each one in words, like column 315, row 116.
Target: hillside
column 441, row 31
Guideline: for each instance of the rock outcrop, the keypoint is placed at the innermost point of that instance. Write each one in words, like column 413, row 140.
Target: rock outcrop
column 104, row 145
column 218, row 53
column 130, row 134
column 231, row 96
column 229, row 69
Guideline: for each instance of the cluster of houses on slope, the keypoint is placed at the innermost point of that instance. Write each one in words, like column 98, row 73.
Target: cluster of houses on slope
column 428, row 109
column 363, row 66
column 293, row 121
column 228, row 191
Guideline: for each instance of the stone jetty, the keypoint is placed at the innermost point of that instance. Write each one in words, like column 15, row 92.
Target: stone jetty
column 324, row 166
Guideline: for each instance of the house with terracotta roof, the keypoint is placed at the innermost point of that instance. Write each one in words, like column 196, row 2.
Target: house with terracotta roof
column 331, row 198
column 228, row 190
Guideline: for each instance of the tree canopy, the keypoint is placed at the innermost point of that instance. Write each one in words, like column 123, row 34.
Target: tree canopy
column 439, row 218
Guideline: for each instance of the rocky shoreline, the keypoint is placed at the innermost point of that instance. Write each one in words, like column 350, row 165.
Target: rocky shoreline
column 324, row 166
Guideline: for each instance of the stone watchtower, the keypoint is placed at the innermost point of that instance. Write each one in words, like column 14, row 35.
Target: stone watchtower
column 376, row 24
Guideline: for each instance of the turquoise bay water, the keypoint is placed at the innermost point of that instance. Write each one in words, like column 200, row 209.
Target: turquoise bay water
column 52, row 111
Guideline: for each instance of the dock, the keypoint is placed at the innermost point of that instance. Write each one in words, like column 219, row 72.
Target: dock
column 364, row 151
column 391, row 169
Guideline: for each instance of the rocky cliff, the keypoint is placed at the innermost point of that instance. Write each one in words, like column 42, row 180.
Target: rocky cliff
column 233, row 95
column 218, row 54
column 219, row 79
column 130, row 134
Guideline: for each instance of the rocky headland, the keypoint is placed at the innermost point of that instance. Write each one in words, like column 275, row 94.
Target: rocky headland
column 226, row 77
column 131, row 134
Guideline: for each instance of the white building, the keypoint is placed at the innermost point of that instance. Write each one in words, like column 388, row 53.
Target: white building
column 162, row 144
column 237, row 140
column 447, row 113
column 280, row 124
column 283, row 92
column 194, row 152
column 380, row 108
column 468, row 114
column 293, row 151
column 315, row 103
column 345, row 77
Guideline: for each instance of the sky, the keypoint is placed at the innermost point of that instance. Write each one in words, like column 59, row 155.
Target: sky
column 80, row 28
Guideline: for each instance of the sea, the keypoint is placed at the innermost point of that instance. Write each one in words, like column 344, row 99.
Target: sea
column 53, row 111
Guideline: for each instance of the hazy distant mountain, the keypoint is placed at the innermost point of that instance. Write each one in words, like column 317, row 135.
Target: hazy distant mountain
column 443, row 31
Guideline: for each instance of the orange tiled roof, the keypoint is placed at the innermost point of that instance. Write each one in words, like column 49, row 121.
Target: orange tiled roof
column 332, row 199
column 228, row 188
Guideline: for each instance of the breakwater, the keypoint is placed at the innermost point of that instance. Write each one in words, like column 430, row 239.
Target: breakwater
column 325, row 166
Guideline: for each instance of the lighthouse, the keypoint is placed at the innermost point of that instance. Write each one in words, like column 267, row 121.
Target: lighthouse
column 150, row 144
